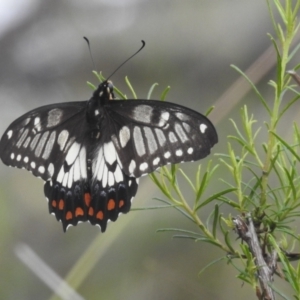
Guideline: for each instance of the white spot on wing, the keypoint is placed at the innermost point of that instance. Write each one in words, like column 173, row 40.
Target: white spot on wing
column 37, row 124
column 160, row 136
column 179, row 152
column 54, row 117
column 22, row 138
column 62, row 139
column 12, row 156
column 151, row 142
column 105, row 176
column 143, row 166
column 40, row 145
column 180, row 132
column 51, row 169
column 96, row 161
column 72, row 153
column 98, row 164
column 19, row 157
column 124, row 136
column 187, row 127
column 34, row 141
column 111, row 179
column 132, row 166
column 172, row 137
column 182, row 116
column 118, row 174
column 77, row 170
column 41, row 169
column 142, row 113
column 156, row 161
column 70, row 178
column 82, row 159
column 32, row 165
column 110, row 153
column 165, row 115
column 9, row 134
column 26, row 159
column 203, row 128
column 26, row 143
column 138, row 141
column 167, row 154
column 65, row 180
column 49, row 145
column 190, row 150
column 60, row 175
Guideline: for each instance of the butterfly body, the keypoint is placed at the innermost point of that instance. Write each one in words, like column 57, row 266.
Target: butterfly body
column 91, row 153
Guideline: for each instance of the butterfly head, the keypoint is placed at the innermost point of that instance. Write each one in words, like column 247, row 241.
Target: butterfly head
column 104, row 92
column 101, row 97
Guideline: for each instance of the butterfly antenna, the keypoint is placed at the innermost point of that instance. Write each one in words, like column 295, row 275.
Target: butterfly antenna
column 122, row 64
column 88, row 43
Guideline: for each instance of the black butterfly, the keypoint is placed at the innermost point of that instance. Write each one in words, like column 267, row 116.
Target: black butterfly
column 90, row 153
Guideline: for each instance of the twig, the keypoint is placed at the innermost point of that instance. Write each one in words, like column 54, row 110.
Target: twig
column 265, row 270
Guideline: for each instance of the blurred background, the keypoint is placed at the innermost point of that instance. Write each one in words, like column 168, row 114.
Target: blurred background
column 44, row 59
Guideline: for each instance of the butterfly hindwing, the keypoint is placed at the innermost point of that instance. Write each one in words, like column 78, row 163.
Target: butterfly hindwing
column 150, row 134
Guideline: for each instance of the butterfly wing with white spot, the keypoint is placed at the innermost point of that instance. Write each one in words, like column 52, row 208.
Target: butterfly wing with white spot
column 112, row 190
column 56, row 145
column 150, row 134
column 39, row 140
column 48, row 141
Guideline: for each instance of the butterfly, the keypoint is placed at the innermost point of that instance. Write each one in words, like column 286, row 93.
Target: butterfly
column 91, row 153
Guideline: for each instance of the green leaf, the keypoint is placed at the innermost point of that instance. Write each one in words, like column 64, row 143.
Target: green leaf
column 210, row 241
column 215, row 196
column 153, row 207
column 165, row 93
column 188, row 237
column 188, row 180
column 210, row 109
column 228, row 243
column 201, row 188
column 90, row 85
column 130, row 87
column 211, row 264
column 264, row 103
column 151, row 90
column 279, row 62
column 180, row 230
column 289, row 147
column 99, row 76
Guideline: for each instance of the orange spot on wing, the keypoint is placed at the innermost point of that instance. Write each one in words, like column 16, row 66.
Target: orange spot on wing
column 69, row 215
column 79, row 212
column 111, row 204
column 87, row 199
column 61, row 204
column 121, row 203
column 54, row 203
column 100, row 215
column 91, row 211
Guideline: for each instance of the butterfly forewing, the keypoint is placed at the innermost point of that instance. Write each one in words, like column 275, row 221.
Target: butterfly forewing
column 149, row 134
column 39, row 140
column 91, row 153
